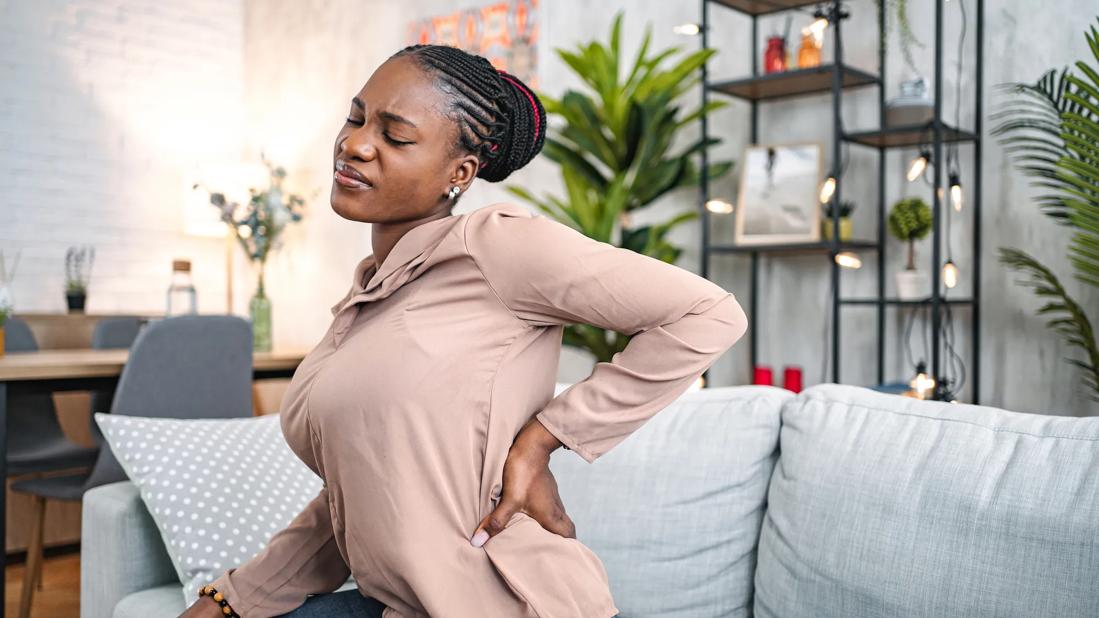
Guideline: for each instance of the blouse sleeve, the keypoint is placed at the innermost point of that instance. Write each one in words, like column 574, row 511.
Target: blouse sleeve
column 299, row 560
column 547, row 273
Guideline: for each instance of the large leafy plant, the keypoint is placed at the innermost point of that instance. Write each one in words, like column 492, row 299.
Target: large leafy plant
column 614, row 149
column 1052, row 128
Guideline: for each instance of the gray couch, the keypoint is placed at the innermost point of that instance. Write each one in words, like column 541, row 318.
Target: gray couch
column 741, row 501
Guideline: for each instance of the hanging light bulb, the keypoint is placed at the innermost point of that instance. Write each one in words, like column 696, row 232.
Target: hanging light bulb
column 720, row 207
column 923, row 384
column 828, row 189
column 687, row 29
column 820, row 23
column 848, row 259
column 950, row 274
column 956, row 191
column 919, row 164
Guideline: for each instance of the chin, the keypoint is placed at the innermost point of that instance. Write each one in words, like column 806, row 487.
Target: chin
column 349, row 208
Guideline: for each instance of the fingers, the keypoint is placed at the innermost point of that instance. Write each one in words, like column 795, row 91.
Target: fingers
column 493, row 523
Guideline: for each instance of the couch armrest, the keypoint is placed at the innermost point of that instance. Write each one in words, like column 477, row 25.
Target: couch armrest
column 121, row 550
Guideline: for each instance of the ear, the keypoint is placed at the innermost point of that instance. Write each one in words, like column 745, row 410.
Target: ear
column 465, row 171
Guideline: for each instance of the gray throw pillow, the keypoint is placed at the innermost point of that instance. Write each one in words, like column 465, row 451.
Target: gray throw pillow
column 674, row 510
column 218, row 489
column 883, row 505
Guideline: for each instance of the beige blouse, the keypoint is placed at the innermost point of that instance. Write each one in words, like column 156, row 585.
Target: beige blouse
column 408, row 405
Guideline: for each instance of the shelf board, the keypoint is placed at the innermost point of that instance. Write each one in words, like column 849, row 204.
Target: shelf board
column 764, row 7
column 792, row 83
column 897, row 301
column 796, row 247
column 898, row 137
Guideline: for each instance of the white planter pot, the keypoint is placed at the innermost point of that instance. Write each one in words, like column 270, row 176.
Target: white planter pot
column 912, row 285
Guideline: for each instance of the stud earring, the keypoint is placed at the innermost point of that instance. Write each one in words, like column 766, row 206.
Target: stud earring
column 454, row 191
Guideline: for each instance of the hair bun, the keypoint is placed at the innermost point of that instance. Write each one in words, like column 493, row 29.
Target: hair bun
column 526, row 132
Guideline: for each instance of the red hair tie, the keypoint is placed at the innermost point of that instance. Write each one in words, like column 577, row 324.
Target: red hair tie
column 533, row 107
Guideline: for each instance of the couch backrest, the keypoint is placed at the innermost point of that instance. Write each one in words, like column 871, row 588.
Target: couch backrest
column 674, row 510
column 882, row 505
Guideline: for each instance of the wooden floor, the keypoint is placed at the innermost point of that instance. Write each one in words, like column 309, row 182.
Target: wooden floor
column 59, row 596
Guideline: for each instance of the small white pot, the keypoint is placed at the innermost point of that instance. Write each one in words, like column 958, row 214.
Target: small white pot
column 912, row 285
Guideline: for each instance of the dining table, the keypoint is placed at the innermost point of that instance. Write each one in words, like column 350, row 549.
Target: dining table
column 48, row 371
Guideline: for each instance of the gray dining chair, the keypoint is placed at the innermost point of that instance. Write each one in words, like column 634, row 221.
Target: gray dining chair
column 36, row 442
column 110, row 334
column 192, row 366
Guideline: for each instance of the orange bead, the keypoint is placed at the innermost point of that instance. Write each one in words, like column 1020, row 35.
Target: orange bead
column 218, row 597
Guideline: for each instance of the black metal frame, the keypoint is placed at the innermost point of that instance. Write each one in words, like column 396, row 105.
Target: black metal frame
column 881, row 140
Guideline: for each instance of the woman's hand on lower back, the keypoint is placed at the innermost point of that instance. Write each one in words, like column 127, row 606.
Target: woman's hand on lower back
column 528, row 486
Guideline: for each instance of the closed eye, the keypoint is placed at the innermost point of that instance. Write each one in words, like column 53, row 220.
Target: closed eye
column 389, row 139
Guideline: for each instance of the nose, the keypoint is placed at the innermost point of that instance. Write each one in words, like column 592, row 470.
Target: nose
column 357, row 143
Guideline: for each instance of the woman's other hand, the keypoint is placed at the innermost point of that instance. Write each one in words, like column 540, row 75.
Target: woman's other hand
column 528, row 486
column 204, row 607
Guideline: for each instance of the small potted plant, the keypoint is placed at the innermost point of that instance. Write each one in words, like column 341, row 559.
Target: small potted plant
column 909, row 221
column 78, row 269
column 845, row 208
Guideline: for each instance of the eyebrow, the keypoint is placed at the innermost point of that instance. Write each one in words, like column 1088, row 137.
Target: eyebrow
column 390, row 116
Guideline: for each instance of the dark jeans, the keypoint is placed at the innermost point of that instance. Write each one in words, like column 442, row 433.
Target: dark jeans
column 343, row 604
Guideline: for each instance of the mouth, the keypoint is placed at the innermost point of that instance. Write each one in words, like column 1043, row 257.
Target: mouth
column 349, row 177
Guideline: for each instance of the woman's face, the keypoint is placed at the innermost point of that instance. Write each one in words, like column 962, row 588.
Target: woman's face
column 398, row 136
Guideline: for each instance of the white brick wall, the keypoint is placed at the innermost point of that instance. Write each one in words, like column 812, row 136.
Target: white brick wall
column 104, row 106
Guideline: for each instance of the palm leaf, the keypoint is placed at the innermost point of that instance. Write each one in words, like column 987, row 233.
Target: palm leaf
column 1068, row 317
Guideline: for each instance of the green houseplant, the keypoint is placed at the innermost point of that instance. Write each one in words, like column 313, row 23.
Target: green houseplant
column 1052, row 128
column 258, row 226
column 614, row 149
column 78, row 270
column 845, row 209
column 909, row 221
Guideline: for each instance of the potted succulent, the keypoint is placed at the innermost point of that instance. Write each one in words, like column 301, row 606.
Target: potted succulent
column 845, row 208
column 78, row 269
column 910, row 220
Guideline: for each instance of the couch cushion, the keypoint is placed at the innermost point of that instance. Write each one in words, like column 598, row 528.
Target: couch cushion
column 216, row 488
column 883, row 505
column 674, row 510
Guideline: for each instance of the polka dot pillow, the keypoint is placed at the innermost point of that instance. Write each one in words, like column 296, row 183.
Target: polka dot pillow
column 217, row 489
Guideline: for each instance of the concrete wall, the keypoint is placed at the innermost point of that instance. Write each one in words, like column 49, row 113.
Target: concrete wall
column 132, row 96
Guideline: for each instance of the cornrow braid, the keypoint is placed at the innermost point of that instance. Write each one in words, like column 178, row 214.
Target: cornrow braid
column 500, row 119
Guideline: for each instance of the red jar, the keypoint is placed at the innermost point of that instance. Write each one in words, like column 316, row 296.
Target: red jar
column 774, row 58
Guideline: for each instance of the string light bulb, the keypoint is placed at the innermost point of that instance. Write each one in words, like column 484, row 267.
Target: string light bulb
column 848, row 259
column 819, row 25
column 720, row 207
column 923, row 384
column 687, row 29
column 956, row 196
column 827, row 190
column 950, row 274
column 918, row 165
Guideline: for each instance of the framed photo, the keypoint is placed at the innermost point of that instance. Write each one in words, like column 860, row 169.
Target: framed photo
column 779, row 194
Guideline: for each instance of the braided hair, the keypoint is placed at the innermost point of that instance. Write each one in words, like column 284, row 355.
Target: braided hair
column 500, row 119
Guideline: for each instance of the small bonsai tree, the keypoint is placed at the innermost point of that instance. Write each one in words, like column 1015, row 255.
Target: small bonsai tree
column 910, row 220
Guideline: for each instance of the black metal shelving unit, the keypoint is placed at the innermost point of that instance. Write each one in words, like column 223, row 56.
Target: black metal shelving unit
column 836, row 78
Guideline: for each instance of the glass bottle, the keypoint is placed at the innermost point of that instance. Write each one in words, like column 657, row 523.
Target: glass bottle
column 181, row 293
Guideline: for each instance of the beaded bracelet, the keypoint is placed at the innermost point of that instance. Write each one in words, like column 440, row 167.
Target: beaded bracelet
column 210, row 591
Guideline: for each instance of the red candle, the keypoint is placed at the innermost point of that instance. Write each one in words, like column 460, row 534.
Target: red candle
column 791, row 378
column 763, row 376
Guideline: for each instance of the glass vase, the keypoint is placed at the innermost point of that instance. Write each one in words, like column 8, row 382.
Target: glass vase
column 259, row 309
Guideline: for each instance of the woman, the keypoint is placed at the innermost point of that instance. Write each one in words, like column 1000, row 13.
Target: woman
column 428, row 407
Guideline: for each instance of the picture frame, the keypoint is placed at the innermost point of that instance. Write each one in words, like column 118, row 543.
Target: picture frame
column 778, row 198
